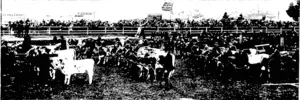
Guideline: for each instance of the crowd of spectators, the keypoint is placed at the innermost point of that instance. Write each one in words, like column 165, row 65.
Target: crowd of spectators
column 230, row 23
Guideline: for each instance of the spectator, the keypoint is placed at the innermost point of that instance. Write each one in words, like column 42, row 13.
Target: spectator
column 54, row 40
column 26, row 43
column 63, row 42
column 27, row 25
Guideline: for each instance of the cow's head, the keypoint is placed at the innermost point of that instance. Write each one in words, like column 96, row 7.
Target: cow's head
column 57, row 63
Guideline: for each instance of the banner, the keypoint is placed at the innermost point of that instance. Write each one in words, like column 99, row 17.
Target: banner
column 168, row 6
column 12, row 15
column 154, row 16
column 82, row 14
column 85, row 13
column 78, row 15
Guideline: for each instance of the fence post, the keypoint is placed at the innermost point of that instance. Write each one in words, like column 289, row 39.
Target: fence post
column 174, row 29
column 123, row 30
column 49, row 30
column 252, row 30
column 105, row 30
column 87, row 30
column 69, row 30
column 241, row 35
column 205, row 29
column 280, row 30
column 221, row 29
column 266, row 29
column 281, row 41
column 190, row 30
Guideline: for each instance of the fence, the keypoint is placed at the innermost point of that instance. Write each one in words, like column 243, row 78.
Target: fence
column 147, row 30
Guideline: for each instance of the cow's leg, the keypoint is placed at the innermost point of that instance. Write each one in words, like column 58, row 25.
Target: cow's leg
column 52, row 73
column 148, row 75
column 105, row 60
column 140, row 73
column 167, row 79
column 38, row 71
column 99, row 60
column 158, row 74
column 118, row 60
column 153, row 75
column 67, row 79
column 90, row 74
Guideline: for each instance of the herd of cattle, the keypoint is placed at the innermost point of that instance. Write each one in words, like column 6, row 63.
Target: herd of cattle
column 144, row 59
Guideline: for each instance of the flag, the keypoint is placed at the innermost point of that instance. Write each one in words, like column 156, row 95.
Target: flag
column 168, row 6
column 182, row 12
column 78, row 15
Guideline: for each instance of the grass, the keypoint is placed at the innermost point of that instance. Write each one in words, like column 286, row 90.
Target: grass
column 109, row 83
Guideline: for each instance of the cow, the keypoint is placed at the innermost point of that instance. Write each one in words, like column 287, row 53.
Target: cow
column 152, row 52
column 252, row 61
column 67, row 54
column 70, row 67
column 168, row 63
column 37, row 58
column 135, row 70
column 123, row 41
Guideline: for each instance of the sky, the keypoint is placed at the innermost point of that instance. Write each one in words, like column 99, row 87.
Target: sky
column 113, row 10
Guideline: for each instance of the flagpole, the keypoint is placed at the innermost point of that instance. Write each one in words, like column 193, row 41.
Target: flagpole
column 170, row 14
column 94, row 16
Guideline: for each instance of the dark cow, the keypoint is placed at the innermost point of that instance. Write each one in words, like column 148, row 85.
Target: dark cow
column 168, row 63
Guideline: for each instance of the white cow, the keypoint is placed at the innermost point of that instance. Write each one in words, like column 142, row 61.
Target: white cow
column 56, row 63
column 255, row 58
column 153, row 52
column 66, row 54
column 123, row 41
column 70, row 67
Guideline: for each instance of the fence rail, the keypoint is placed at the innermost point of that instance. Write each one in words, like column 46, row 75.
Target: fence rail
column 147, row 30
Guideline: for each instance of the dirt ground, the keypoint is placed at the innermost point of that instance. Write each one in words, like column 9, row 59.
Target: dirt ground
column 109, row 83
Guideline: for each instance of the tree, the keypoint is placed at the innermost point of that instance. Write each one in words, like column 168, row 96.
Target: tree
column 240, row 17
column 225, row 16
column 293, row 10
column 239, row 20
column 264, row 17
column 225, row 20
